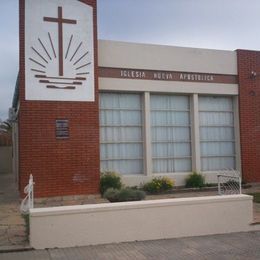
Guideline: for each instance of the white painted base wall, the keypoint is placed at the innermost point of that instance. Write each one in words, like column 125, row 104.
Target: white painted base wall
column 178, row 178
column 144, row 220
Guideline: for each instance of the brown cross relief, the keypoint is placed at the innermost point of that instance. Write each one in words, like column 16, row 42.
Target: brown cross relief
column 60, row 20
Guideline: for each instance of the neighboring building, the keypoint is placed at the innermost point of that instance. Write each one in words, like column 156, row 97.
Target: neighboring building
column 141, row 110
column 5, row 150
column 5, row 139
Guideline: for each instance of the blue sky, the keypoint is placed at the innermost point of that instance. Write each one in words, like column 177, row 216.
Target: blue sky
column 218, row 24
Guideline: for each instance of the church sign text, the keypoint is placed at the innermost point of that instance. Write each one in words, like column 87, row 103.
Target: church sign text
column 122, row 73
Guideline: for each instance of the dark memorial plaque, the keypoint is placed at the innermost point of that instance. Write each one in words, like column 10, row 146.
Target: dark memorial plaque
column 62, row 128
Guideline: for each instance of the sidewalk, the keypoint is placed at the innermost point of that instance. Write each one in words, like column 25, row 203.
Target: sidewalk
column 12, row 226
column 229, row 246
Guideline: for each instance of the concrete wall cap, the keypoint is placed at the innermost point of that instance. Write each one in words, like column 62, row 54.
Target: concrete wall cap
column 53, row 211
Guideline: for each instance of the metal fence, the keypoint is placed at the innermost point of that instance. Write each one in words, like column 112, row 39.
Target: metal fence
column 28, row 201
column 229, row 182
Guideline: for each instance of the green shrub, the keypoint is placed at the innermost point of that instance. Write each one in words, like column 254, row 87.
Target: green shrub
column 159, row 185
column 109, row 180
column 125, row 194
column 195, row 180
column 256, row 196
column 111, row 194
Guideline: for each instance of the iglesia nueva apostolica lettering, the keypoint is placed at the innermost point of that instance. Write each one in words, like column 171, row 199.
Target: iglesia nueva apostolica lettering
column 135, row 74
column 164, row 75
column 196, row 77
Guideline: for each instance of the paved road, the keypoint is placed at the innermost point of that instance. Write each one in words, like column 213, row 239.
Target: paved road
column 244, row 246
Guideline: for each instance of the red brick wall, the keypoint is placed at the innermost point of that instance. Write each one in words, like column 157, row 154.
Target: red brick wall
column 60, row 167
column 249, row 99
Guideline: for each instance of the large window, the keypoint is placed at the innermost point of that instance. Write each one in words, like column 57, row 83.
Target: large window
column 121, row 133
column 217, row 144
column 167, row 140
column 170, row 133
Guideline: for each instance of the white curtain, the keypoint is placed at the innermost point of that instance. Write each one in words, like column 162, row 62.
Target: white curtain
column 217, row 144
column 170, row 127
column 121, row 133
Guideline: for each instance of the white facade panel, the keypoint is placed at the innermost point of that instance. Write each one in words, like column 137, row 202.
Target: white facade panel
column 59, row 53
column 107, row 84
column 162, row 57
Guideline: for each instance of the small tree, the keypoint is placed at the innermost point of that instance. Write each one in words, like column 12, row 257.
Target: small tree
column 5, row 126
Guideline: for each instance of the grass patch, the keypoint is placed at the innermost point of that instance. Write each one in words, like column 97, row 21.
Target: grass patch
column 27, row 224
column 256, row 196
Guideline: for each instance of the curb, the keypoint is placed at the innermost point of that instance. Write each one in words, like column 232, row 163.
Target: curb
column 14, row 249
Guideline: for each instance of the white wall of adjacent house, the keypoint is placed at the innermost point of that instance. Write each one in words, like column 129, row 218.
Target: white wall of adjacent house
column 167, row 128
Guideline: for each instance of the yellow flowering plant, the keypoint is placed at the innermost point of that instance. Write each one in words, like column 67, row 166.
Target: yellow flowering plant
column 159, row 185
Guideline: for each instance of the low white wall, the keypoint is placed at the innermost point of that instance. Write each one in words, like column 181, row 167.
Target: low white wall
column 144, row 220
column 5, row 159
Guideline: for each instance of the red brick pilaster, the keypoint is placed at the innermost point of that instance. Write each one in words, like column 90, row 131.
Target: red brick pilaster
column 60, row 167
column 249, row 103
